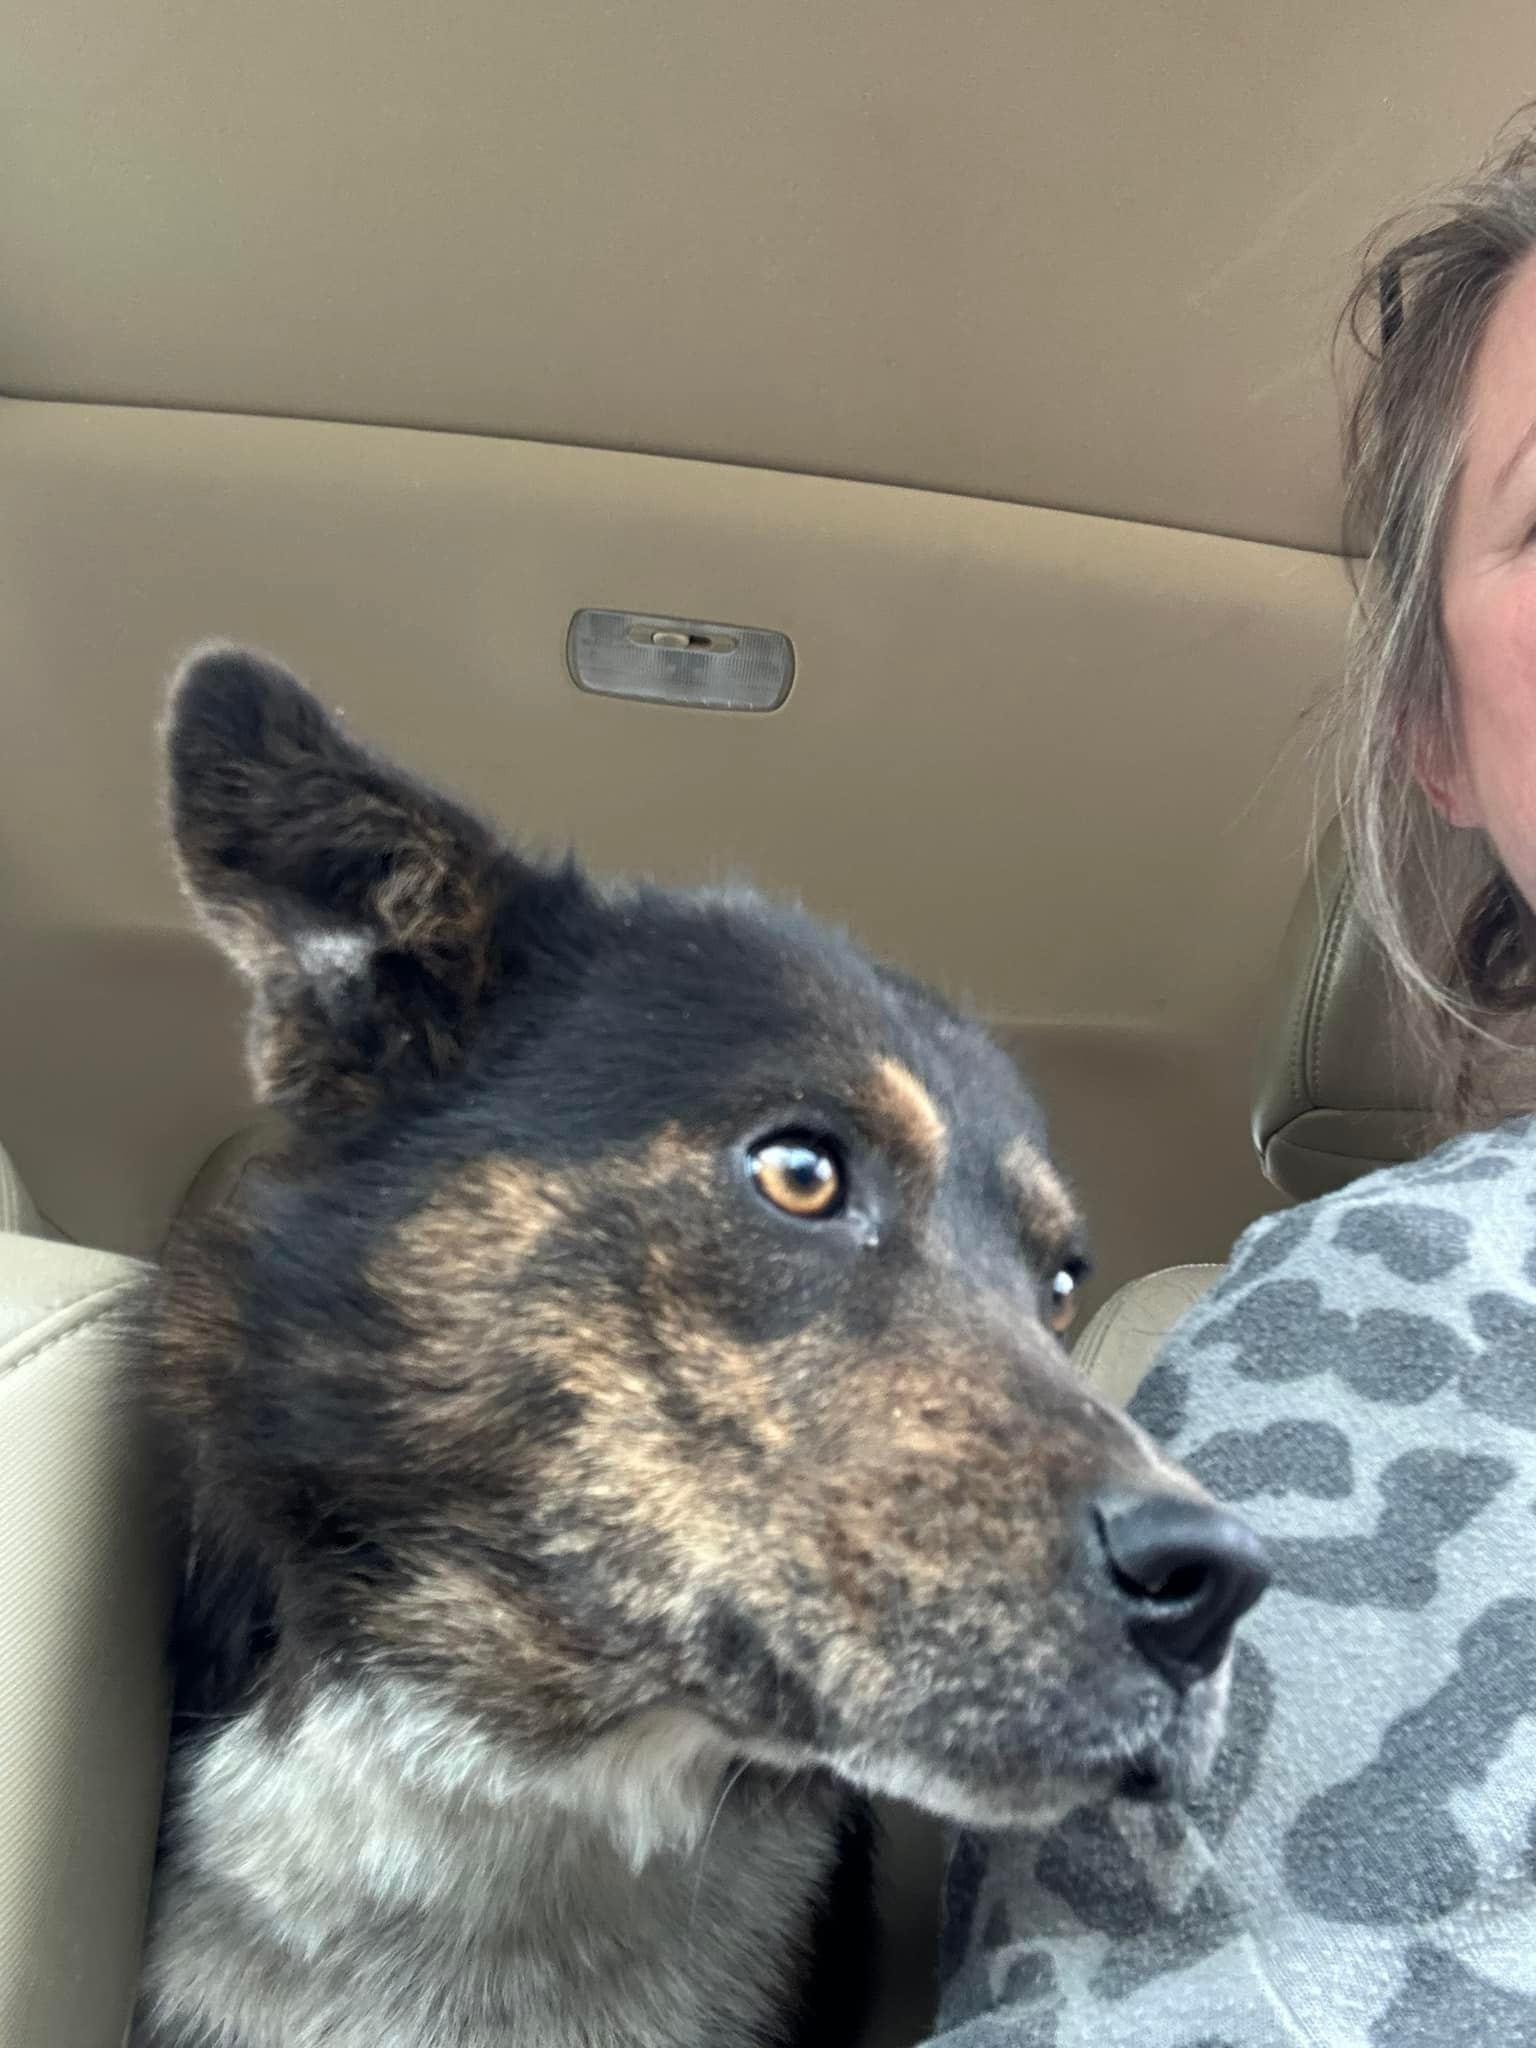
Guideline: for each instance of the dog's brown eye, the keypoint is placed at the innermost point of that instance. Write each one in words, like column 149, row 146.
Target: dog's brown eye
column 1064, row 1297
column 799, row 1175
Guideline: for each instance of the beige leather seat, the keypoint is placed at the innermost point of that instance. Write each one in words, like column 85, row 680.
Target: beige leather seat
column 1339, row 1091
column 84, row 1583
column 1117, row 1346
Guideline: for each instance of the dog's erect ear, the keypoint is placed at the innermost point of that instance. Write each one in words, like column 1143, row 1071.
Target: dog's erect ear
column 365, row 910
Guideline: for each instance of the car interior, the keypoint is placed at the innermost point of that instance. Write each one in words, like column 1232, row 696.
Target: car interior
column 507, row 372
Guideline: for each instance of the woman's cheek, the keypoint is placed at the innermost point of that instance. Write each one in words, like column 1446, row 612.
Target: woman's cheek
column 1491, row 630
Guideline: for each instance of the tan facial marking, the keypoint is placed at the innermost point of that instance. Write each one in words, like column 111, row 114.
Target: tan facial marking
column 1046, row 1210
column 672, row 1155
column 496, row 1206
column 904, row 1108
column 452, row 1268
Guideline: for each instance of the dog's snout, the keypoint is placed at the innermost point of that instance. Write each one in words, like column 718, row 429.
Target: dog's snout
column 1183, row 1572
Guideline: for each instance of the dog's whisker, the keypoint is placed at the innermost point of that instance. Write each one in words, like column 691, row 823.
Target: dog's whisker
column 733, row 1778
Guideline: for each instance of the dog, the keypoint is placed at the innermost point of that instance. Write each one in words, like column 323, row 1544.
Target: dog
column 626, row 1429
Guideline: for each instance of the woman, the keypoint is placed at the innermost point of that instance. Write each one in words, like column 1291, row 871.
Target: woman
column 1361, row 1871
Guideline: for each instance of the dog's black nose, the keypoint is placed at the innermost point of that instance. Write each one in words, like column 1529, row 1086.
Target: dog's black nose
column 1185, row 1574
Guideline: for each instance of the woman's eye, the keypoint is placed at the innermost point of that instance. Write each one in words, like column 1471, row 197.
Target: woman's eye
column 1064, row 1299
column 800, row 1175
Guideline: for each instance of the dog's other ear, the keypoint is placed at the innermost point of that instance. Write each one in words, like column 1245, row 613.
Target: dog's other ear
column 367, row 912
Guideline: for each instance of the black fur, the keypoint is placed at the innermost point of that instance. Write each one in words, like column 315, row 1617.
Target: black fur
column 839, row 1990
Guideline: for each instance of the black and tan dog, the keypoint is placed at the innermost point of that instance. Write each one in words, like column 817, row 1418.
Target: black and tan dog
column 626, row 1423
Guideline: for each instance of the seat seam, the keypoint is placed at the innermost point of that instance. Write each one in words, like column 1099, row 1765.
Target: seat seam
column 1159, row 1273
column 1184, row 1266
column 98, row 1306
column 1318, row 993
column 1369, row 1162
column 1103, row 1322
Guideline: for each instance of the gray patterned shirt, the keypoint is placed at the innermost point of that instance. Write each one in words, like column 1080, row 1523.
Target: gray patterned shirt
column 1361, row 1870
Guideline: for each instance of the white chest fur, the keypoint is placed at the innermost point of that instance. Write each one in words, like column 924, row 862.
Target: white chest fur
column 382, row 1875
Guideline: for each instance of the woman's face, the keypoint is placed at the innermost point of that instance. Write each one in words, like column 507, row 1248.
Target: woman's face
column 1489, row 595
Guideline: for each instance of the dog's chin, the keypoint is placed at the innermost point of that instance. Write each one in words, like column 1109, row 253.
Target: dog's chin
column 971, row 1800
column 1165, row 1766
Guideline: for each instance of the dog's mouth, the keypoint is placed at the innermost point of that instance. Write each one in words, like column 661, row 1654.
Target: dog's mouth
column 1152, row 1758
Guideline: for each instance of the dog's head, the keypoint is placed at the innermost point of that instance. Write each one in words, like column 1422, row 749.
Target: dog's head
column 655, row 1310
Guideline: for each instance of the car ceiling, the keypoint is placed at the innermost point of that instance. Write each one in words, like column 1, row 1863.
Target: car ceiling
column 981, row 349
column 1074, row 254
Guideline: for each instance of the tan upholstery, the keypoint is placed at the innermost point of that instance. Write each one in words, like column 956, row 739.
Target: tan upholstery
column 1081, row 253
column 678, row 292
column 1122, row 1339
column 84, row 1589
column 19, row 1214
column 222, row 1171
column 983, row 691
column 1340, row 1090
column 1341, row 1087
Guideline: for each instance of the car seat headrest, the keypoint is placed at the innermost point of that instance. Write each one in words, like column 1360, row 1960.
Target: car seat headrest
column 1343, row 1086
